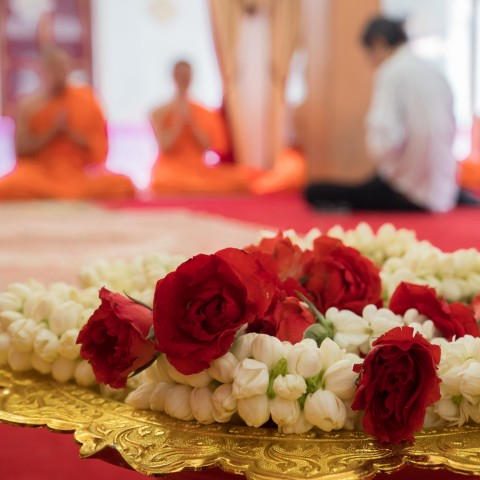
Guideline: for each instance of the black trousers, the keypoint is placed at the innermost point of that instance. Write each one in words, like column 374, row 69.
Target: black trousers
column 374, row 194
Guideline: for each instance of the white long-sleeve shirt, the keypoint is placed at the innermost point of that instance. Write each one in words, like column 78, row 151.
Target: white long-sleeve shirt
column 410, row 131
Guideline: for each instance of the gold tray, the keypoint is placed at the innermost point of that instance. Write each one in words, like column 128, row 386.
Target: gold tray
column 154, row 444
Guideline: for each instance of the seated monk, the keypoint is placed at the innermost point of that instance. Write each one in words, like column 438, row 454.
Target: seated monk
column 61, row 142
column 185, row 131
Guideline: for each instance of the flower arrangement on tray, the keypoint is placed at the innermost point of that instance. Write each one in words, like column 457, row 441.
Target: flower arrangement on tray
column 348, row 330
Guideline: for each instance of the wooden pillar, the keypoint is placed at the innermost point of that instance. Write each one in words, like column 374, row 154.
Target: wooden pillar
column 339, row 86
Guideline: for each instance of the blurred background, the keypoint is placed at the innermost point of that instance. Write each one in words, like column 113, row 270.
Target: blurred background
column 126, row 49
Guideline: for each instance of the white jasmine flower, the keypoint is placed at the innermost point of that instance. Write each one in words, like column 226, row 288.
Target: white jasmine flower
column 242, row 347
column 300, row 426
column 199, row 380
column 10, row 301
column 381, row 320
column 117, row 394
column 25, row 290
column 284, row 412
column 84, row 375
column 202, row 405
column 470, row 382
column 88, row 276
column 290, row 386
column 305, row 242
column 471, row 410
column 162, row 366
column 222, row 368
column 40, row 365
column 340, row 379
column 140, row 397
column 267, row 349
column 65, row 316
column 62, row 291
column 254, row 411
column 150, row 374
column 158, row 396
column 426, row 329
column 452, row 379
column 224, row 403
column 432, row 419
column 350, row 330
column 172, row 372
column 67, row 346
column 85, row 317
column 88, row 298
column 337, row 231
column 287, row 346
column 350, row 422
column 46, row 345
column 448, row 410
column 305, row 359
column 250, row 378
column 330, row 353
column 22, row 334
column 325, row 410
column 412, row 315
column 470, row 346
column 39, row 307
column 19, row 361
column 177, row 402
column 7, row 317
column 63, row 369
column 451, row 289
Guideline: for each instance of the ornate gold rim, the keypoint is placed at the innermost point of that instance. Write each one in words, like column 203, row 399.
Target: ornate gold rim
column 154, row 444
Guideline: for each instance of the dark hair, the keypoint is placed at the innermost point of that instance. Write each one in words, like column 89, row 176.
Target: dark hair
column 391, row 31
column 181, row 63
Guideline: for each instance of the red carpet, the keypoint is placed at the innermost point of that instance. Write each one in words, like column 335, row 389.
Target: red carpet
column 457, row 229
column 27, row 454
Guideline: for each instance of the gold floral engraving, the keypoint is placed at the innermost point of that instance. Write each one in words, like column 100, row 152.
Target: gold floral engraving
column 155, row 444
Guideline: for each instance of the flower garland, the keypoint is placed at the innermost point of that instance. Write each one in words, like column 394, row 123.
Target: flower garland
column 326, row 331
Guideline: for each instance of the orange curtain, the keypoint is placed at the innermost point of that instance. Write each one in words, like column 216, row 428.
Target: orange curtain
column 225, row 18
column 284, row 20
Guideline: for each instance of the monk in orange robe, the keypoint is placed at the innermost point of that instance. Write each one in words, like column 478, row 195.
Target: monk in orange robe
column 61, row 143
column 185, row 131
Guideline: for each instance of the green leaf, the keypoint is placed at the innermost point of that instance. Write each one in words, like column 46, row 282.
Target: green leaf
column 151, row 335
column 315, row 312
column 316, row 332
column 280, row 369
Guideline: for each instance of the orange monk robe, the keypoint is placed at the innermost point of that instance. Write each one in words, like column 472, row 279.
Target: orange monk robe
column 181, row 169
column 64, row 169
column 288, row 173
column 469, row 169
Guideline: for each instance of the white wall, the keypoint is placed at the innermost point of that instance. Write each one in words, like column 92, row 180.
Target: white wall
column 136, row 42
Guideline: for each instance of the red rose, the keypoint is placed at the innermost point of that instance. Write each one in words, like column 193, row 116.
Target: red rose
column 279, row 255
column 338, row 276
column 114, row 340
column 291, row 318
column 288, row 320
column 199, row 308
column 451, row 320
column 398, row 381
column 475, row 307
